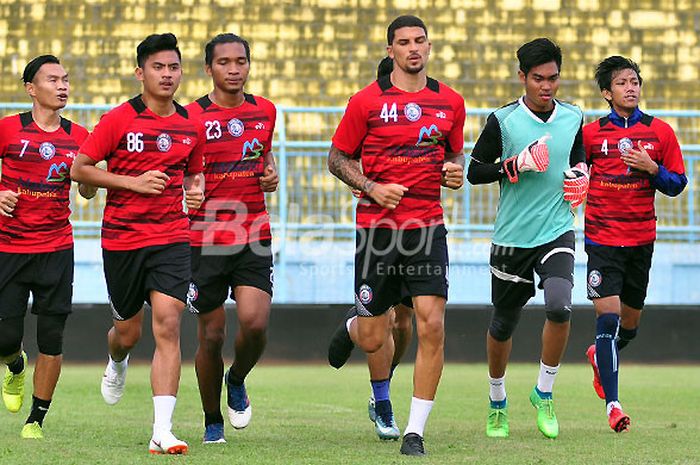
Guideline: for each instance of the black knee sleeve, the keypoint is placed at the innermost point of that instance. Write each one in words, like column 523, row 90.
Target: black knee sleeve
column 503, row 323
column 557, row 299
column 49, row 333
column 11, row 332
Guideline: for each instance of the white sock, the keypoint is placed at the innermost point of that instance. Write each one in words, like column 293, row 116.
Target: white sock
column 497, row 388
column 545, row 381
column 163, row 407
column 420, row 409
column 349, row 322
column 119, row 367
column 612, row 405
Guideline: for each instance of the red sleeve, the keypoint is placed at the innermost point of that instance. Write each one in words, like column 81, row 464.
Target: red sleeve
column 105, row 138
column 672, row 158
column 352, row 128
column 196, row 161
column 456, row 136
column 5, row 133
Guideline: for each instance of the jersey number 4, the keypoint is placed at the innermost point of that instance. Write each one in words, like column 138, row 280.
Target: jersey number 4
column 389, row 113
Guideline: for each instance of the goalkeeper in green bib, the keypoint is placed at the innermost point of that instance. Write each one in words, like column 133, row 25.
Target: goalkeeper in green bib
column 534, row 148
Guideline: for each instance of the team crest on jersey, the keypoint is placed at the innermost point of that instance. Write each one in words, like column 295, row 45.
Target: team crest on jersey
column 235, row 127
column 164, row 142
column 47, row 150
column 594, row 278
column 624, row 145
column 413, row 112
column 365, row 294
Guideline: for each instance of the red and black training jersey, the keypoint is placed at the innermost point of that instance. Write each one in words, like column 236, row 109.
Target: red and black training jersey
column 36, row 164
column 402, row 138
column 134, row 140
column 620, row 205
column 237, row 139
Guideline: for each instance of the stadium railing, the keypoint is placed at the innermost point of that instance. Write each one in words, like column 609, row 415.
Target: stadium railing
column 310, row 201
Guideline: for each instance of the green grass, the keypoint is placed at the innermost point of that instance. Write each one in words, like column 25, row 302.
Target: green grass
column 315, row 415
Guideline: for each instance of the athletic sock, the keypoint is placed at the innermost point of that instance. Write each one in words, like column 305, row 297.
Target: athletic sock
column 624, row 336
column 39, row 409
column 17, row 365
column 417, row 418
column 119, row 366
column 606, row 353
column 213, row 418
column 163, row 407
column 382, row 404
column 612, row 405
column 497, row 392
column 545, row 380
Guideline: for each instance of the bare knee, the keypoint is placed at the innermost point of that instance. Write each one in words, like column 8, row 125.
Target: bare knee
column 212, row 338
column 128, row 337
column 372, row 343
column 167, row 328
column 431, row 329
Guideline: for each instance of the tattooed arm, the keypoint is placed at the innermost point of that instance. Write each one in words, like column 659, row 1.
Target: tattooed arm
column 349, row 171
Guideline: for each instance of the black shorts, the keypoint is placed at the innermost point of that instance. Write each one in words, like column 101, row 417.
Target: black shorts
column 621, row 271
column 132, row 274
column 513, row 269
column 214, row 275
column 48, row 276
column 391, row 266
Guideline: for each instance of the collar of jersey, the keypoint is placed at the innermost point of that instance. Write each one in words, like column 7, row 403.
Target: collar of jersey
column 619, row 121
column 534, row 116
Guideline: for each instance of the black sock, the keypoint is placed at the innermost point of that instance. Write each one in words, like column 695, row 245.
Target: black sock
column 233, row 379
column 39, row 409
column 212, row 418
column 17, row 366
column 384, row 411
column 624, row 336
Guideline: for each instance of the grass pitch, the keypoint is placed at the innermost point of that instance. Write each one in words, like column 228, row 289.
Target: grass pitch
column 316, row 415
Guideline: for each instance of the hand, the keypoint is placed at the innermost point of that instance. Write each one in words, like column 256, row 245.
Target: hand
column 8, row 202
column 576, row 182
column 151, row 183
column 269, row 179
column 87, row 191
column 534, row 157
column 640, row 160
column 452, row 175
column 387, row 195
column 194, row 194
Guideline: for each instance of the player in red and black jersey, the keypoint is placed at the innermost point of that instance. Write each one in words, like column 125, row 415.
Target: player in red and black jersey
column 401, row 313
column 406, row 129
column 230, row 233
column 36, row 239
column 631, row 155
column 153, row 149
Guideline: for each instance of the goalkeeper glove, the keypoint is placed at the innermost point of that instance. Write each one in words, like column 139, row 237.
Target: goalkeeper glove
column 534, row 157
column 576, row 182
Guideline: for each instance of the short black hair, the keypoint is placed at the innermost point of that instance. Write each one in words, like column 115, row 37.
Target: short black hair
column 607, row 68
column 385, row 67
column 404, row 21
column 226, row 38
column 156, row 43
column 538, row 52
column 33, row 66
